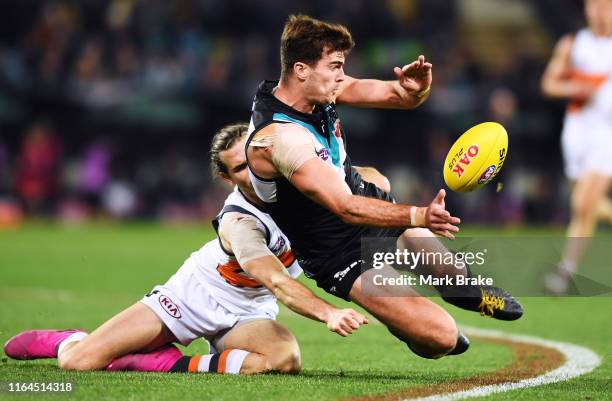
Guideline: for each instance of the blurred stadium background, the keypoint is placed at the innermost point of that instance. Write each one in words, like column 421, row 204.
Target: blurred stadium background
column 107, row 108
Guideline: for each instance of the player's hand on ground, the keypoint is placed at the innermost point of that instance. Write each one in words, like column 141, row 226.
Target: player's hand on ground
column 415, row 77
column 439, row 220
column 345, row 321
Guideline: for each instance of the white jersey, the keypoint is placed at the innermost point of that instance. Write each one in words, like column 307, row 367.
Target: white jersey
column 591, row 60
column 210, row 293
column 587, row 129
column 219, row 270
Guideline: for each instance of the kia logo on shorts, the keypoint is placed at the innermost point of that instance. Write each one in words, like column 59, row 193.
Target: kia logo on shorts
column 169, row 307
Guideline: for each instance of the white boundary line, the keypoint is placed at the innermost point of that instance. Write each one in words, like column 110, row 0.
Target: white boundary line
column 579, row 360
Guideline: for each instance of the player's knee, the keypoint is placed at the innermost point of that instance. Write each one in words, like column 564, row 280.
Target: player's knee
column 287, row 359
column 291, row 364
column 442, row 338
column 436, row 346
column 445, row 342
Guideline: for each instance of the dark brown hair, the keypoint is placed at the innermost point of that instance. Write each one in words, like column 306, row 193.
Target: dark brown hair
column 224, row 139
column 304, row 39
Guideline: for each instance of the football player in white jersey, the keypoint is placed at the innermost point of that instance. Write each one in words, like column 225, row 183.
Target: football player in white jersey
column 580, row 70
column 225, row 292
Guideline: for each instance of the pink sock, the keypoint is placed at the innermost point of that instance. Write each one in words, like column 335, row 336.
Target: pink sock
column 159, row 360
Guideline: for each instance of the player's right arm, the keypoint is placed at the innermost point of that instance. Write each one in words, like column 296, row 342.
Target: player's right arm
column 241, row 234
column 360, row 210
column 556, row 80
column 292, row 155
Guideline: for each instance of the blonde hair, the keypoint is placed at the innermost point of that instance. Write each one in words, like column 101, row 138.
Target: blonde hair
column 224, row 139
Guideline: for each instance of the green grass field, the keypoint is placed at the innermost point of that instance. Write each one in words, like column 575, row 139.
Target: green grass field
column 62, row 277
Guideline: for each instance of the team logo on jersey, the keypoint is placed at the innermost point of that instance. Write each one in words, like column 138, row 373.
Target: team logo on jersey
column 323, row 153
column 486, row 176
column 280, row 244
column 170, row 307
column 337, row 128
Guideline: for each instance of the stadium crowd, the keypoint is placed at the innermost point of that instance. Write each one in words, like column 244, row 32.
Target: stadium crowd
column 107, row 108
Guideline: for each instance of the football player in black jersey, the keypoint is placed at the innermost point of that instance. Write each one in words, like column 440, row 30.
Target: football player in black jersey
column 299, row 167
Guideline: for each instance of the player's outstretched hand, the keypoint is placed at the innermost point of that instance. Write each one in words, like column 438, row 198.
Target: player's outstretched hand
column 439, row 220
column 415, row 77
column 345, row 321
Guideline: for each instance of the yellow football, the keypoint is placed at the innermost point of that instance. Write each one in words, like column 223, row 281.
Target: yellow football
column 476, row 157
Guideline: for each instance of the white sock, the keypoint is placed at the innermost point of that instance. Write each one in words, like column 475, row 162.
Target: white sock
column 204, row 363
column 78, row 336
column 235, row 360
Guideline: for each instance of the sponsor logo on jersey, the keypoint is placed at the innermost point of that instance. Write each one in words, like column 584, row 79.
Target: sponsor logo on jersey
column 486, row 176
column 170, row 307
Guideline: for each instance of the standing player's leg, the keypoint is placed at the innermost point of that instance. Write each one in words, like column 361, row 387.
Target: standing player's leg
column 604, row 210
column 588, row 193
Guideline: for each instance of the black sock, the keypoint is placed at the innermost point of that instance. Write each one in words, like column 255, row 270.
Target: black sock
column 181, row 365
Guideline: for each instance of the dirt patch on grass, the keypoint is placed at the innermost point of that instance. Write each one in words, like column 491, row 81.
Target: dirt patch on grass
column 529, row 361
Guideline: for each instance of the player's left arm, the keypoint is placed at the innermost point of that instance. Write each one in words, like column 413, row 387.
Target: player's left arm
column 410, row 90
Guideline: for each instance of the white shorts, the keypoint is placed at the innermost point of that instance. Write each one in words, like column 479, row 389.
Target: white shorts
column 587, row 146
column 189, row 310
